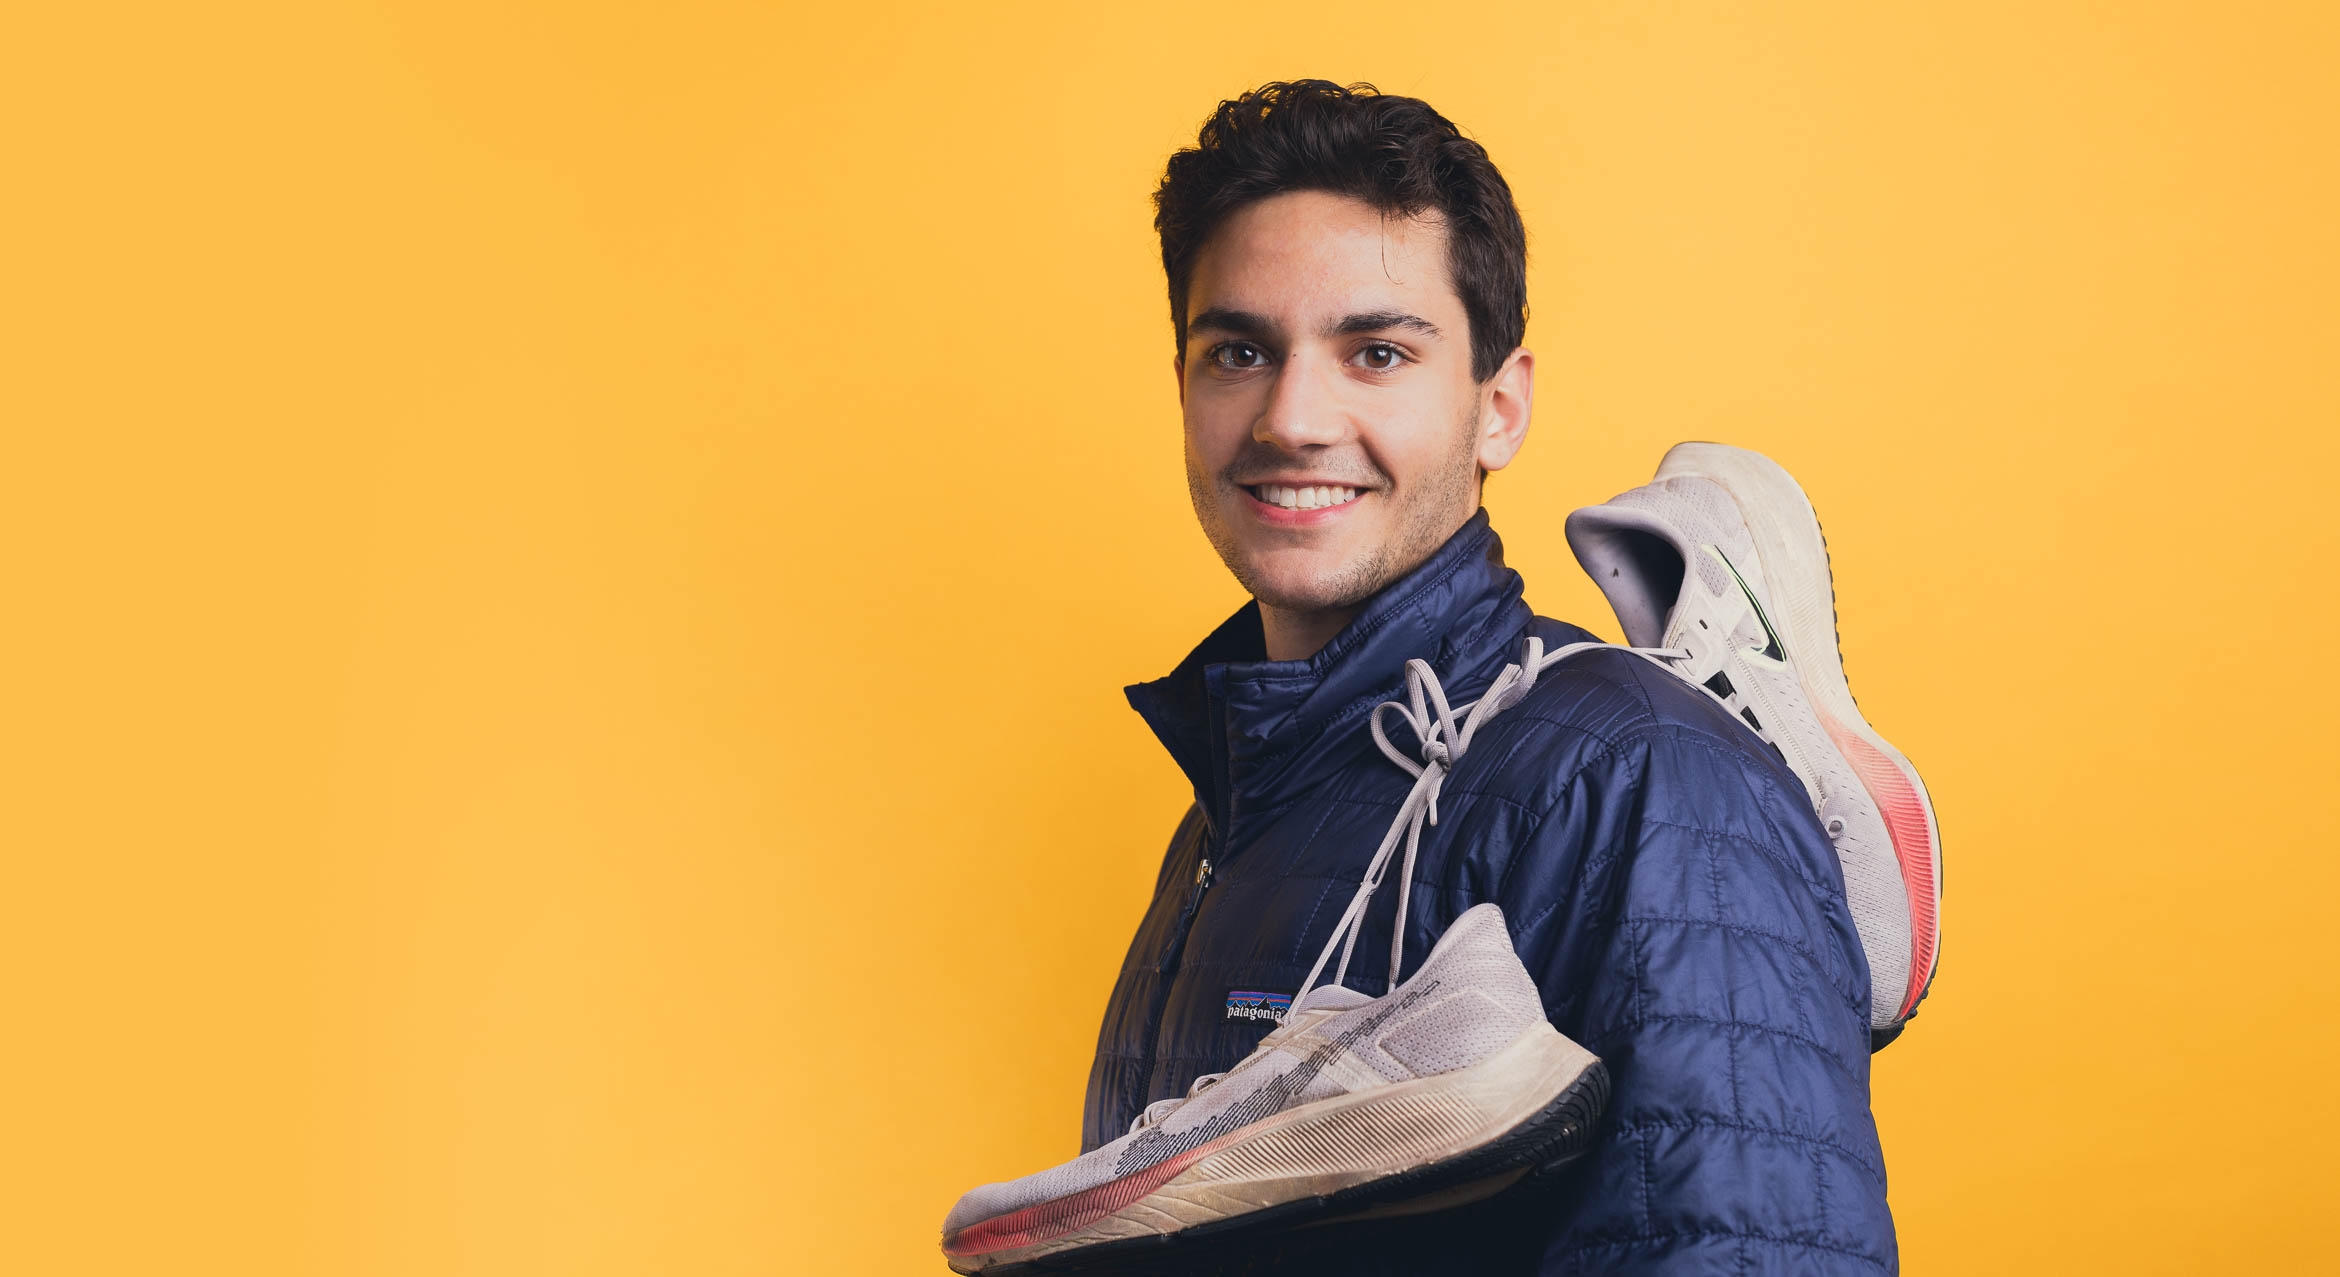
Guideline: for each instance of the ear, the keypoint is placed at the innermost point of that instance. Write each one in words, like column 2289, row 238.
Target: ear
column 1505, row 403
column 1178, row 373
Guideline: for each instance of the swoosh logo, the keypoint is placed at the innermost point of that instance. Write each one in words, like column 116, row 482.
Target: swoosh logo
column 1772, row 647
column 1277, row 1095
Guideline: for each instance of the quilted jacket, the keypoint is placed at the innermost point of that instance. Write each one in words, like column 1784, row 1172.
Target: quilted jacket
column 1665, row 882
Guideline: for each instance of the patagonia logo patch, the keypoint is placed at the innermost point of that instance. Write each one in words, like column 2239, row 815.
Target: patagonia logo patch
column 1249, row 1004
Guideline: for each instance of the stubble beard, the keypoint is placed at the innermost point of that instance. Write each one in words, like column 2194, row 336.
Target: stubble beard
column 1423, row 520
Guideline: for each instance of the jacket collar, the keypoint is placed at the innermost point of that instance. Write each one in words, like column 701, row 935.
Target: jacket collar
column 1254, row 734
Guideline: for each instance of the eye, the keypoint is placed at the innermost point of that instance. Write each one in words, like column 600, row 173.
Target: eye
column 1238, row 355
column 1380, row 356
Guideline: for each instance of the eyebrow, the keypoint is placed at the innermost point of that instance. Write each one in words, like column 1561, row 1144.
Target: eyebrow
column 1246, row 324
column 1240, row 322
column 1376, row 321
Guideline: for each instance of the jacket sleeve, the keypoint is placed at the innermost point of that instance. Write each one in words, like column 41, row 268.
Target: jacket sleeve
column 1685, row 918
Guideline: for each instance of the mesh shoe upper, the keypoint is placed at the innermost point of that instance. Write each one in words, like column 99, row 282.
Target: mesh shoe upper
column 1681, row 570
column 1470, row 998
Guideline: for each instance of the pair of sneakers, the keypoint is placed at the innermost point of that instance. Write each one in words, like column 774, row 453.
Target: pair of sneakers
column 1453, row 1086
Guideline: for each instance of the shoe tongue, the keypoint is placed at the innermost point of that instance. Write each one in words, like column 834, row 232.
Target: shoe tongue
column 1330, row 997
column 1632, row 555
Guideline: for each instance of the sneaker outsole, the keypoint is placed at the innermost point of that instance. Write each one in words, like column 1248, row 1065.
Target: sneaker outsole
column 1533, row 1149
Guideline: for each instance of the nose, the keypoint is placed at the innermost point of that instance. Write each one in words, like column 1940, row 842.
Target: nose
column 1303, row 409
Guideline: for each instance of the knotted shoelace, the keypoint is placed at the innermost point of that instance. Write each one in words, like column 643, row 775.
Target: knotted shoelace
column 1441, row 743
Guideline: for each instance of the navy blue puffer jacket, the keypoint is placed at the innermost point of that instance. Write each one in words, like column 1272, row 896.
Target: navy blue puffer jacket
column 1665, row 881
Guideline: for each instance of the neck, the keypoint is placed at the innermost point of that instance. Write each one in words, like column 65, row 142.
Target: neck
column 1294, row 635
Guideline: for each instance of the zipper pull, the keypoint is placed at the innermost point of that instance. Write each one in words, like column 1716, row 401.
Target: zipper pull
column 1202, row 883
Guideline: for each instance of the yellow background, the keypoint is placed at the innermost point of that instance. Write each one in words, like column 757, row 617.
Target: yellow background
column 569, row 570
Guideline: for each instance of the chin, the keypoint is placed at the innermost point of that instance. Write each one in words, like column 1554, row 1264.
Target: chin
column 1322, row 583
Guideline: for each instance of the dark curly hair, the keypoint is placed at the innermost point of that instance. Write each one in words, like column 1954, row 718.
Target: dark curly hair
column 1392, row 152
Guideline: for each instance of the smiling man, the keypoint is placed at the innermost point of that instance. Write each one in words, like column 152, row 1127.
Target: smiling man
column 1347, row 279
column 1338, row 419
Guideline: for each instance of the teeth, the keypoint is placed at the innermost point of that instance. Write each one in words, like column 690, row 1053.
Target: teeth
column 1312, row 498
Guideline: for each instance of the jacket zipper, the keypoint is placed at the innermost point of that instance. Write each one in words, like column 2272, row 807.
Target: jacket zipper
column 1165, row 972
column 1177, row 949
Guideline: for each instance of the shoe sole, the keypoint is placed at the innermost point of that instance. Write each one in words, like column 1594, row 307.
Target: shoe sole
column 1793, row 556
column 1427, row 1144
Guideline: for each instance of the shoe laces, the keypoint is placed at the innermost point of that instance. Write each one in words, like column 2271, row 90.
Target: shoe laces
column 1160, row 1109
column 1726, row 629
column 1442, row 733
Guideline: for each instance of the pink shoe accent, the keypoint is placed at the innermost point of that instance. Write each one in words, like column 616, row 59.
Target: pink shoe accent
column 1913, row 846
column 1039, row 1223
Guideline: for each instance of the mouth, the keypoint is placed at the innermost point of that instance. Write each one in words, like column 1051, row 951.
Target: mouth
column 1277, row 496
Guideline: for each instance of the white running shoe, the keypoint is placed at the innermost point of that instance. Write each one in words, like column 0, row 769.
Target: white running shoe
column 1721, row 557
column 1447, row 1089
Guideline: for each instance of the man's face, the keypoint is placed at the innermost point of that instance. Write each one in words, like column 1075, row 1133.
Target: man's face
column 1334, row 433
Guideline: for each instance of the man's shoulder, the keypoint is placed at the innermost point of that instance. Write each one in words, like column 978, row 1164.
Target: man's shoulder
column 1622, row 760
column 1612, row 711
column 1613, row 697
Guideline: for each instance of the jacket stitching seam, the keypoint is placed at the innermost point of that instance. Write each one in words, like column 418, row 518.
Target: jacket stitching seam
column 1822, row 1049
column 1768, row 851
column 1698, row 1121
column 1300, row 934
column 1528, row 837
column 1638, row 1239
column 1789, row 943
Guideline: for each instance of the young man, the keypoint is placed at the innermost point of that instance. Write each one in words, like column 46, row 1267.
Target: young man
column 1347, row 287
